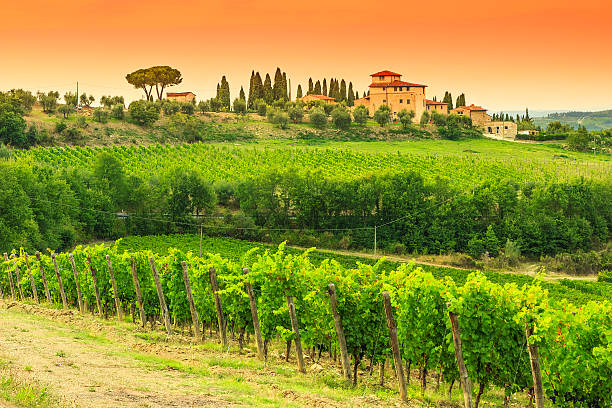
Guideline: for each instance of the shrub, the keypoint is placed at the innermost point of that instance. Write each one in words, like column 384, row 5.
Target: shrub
column 143, row 113
column 81, row 122
column 405, row 117
column 360, row 114
column 204, row 106
column 341, row 117
column 296, row 114
column 60, row 127
column 215, row 104
column 318, row 118
column 476, row 248
column 5, row 152
column 117, row 112
column 424, row 118
column 328, row 108
column 100, row 115
column 66, row 110
column 579, row 140
column 512, row 252
column 278, row 117
column 382, row 116
column 604, row 276
column 261, row 106
column 187, row 108
column 74, row 135
column 240, row 106
column 170, row 107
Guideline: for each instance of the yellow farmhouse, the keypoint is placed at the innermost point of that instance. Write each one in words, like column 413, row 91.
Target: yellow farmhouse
column 504, row 128
column 311, row 97
column 180, row 96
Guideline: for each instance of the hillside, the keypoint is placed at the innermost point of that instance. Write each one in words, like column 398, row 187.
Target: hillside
column 594, row 121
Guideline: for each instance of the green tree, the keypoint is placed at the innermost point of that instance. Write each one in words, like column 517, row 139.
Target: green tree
column 448, row 98
column 66, row 110
column 343, row 97
column 251, row 100
column 48, row 101
column 360, row 114
column 579, row 140
column 159, row 77
column 239, row 106
column 310, row 87
column 117, row 112
column 491, row 243
column 351, row 95
column 296, row 113
column 317, row 88
column 110, row 177
column 268, row 94
column 87, row 100
column 223, row 93
column 341, row 117
column 424, row 118
column 382, row 116
column 324, row 88
column 100, row 115
column 12, row 127
column 261, row 107
column 143, row 113
column 71, row 99
column 406, row 117
column 25, row 98
column 298, row 94
column 317, row 117
column 241, row 95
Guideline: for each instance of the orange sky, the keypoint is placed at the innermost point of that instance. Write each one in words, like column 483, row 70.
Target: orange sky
column 547, row 54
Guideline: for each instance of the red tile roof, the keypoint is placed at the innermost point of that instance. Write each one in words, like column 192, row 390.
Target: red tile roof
column 430, row 102
column 179, row 93
column 327, row 98
column 394, row 83
column 472, row 108
column 385, row 73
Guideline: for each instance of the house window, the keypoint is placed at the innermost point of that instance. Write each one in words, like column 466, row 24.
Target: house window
column 408, row 88
column 506, row 127
column 401, row 101
column 408, row 101
column 401, row 89
column 384, row 89
column 490, row 130
column 382, row 78
column 395, row 89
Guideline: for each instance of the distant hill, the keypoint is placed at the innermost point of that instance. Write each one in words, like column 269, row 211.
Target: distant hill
column 591, row 120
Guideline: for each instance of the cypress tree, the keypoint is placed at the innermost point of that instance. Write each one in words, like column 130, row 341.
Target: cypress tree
column 258, row 89
column 285, row 87
column 351, row 95
column 518, row 118
column 224, row 93
column 277, row 89
column 356, row 95
column 448, row 98
column 343, row 96
column 310, row 87
column 251, row 100
column 298, row 95
column 324, row 90
column 218, row 88
column 527, row 118
column 460, row 100
column 267, row 90
column 317, row 88
column 242, row 94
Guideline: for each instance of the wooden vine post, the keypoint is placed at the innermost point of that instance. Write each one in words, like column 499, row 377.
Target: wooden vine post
column 115, row 293
column 59, row 282
column 143, row 319
column 34, row 293
column 77, row 283
column 395, row 350
column 43, row 275
column 344, row 358
column 220, row 319
column 160, row 295
column 254, row 315
column 10, row 276
column 298, row 340
column 95, row 283
column 534, row 359
column 194, row 313
column 18, row 276
column 466, row 386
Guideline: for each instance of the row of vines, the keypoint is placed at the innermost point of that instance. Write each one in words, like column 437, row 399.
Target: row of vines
column 575, row 343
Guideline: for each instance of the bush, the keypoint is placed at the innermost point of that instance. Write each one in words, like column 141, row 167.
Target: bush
column 382, row 116
column 81, row 122
column 512, row 252
column 204, row 106
column 604, row 276
column 261, row 106
column 187, row 108
column 476, row 248
column 318, row 118
column 278, row 117
column 214, row 104
column 143, row 113
column 60, row 127
column 424, row 118
column 65, row 110
column 328, row 108
column 579, row 140
column 296, row 114
column 239, row 106
column 100, row 115
column 360, row 114
column 170, row 107
column 341, row 117
column 74, row 135
column 117, row 112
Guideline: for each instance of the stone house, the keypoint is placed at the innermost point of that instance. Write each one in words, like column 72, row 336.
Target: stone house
column 180, row 96
column 311, row 97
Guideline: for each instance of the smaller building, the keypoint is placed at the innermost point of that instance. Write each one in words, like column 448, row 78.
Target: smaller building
column 505, row 129
column 478, row 114
column 435, row 106
column 180, row 96
column 312, row 97
column 531, row 132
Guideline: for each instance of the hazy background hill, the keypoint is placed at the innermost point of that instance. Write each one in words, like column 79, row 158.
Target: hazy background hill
column 591, row 120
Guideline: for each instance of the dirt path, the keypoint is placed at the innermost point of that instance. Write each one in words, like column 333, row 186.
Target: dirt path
column 89, row 362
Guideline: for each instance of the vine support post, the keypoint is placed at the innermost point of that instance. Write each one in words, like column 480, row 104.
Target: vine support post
column 160, row 295
column 115, row 293
column 346, row 366
column 534, row 358
column 77, row 283
column 298, row 340
column 395, row 350
column 59, row 282
column 220, row 319
column 466, row 386
column 95, row 283
column 256, row 329
column 10, row 276
column 34, row 292
column 18, row 276
column 194, row 313
column 143, row 319
column 375, row 240
column 43, row 275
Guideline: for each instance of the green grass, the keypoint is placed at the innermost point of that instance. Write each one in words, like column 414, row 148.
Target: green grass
column 22, row 394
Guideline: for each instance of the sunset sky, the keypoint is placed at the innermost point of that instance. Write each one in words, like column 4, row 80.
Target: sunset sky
column 502, row 55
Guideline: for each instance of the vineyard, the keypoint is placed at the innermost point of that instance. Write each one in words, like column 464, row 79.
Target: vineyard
column 228, row 163
column 471, row 331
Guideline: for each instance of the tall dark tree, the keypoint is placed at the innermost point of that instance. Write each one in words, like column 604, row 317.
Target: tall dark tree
column 223, row 93
column 251, row 100
column 527, row 118
column 317, row 88
column 324, row 90
column 448, row 98
column 460, row 101
column 258, row 92
column 285, row 87
column 279, row 89
column 268, row 94
column 310, row 87
column 343, row 95
column 241, row 95
column 351, row 95
column 356, row 95
column 299, row 92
